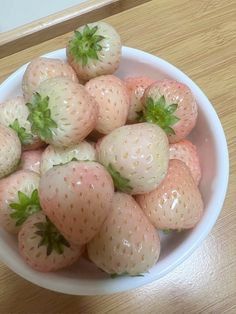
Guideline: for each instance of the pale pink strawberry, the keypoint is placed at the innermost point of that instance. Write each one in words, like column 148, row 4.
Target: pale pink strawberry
column 62, row 112
column 127, row 242
column 95, row 49
column 187, row 152
column 14, row 114
column 41, row 69
column 77, row 198
column 10, row 151
column 30, row 160
column 136, row 87
column 18, row 199
column 176, row 203
column 112, row 98
column 136, row 156
column 55, row 156
column 172, row 106
column 43, row 247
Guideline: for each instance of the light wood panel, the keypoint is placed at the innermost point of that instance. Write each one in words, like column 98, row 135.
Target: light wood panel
column 199, row 38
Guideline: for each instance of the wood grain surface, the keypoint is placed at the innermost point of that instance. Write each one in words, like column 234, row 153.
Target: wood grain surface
column 199, row 38
column 60, row 23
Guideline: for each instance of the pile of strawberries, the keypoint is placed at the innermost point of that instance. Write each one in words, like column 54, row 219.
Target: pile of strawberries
column 93, row 164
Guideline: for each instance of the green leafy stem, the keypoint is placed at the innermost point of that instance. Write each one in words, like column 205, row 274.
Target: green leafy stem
column 25, row 138
column 85, row 45
column 122, row 184
column 51, row 237
column 25, row 207
column 40, row 118
column 160, row 113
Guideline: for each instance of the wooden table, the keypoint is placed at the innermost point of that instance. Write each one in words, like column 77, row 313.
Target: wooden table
column 199, row 38
column 59, row 23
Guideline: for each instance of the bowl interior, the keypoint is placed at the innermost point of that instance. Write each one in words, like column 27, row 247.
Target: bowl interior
column 83, row 277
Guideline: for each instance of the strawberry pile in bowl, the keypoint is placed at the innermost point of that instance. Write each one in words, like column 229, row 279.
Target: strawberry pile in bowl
column 113, row 166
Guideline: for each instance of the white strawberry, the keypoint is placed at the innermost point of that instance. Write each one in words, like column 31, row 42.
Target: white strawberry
column 43, row 247
column 136, row 156
column 176, row 203
column 127, row 243
column 62, row 112
column 95, row 49
column 10, row 150
column 14, row 114
column 187, row 152
column 172, row 106
column 112, row 98
column 18, row 199
column 136, row 87
column 41, row 69
column 55, row 156
column 77, row 198
column 31, row 160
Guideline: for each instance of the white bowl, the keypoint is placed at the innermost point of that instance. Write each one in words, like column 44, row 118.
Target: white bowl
column 84, row 278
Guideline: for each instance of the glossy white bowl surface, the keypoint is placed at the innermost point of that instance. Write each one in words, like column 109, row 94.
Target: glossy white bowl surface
column 84, row 278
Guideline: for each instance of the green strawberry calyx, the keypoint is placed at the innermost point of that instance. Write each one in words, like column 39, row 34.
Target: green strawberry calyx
column 25, row 138
column 40, row 117
column 50, row 237
column 159, row 112
column 121, row 183
column 26, row 206
column 85, row 45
